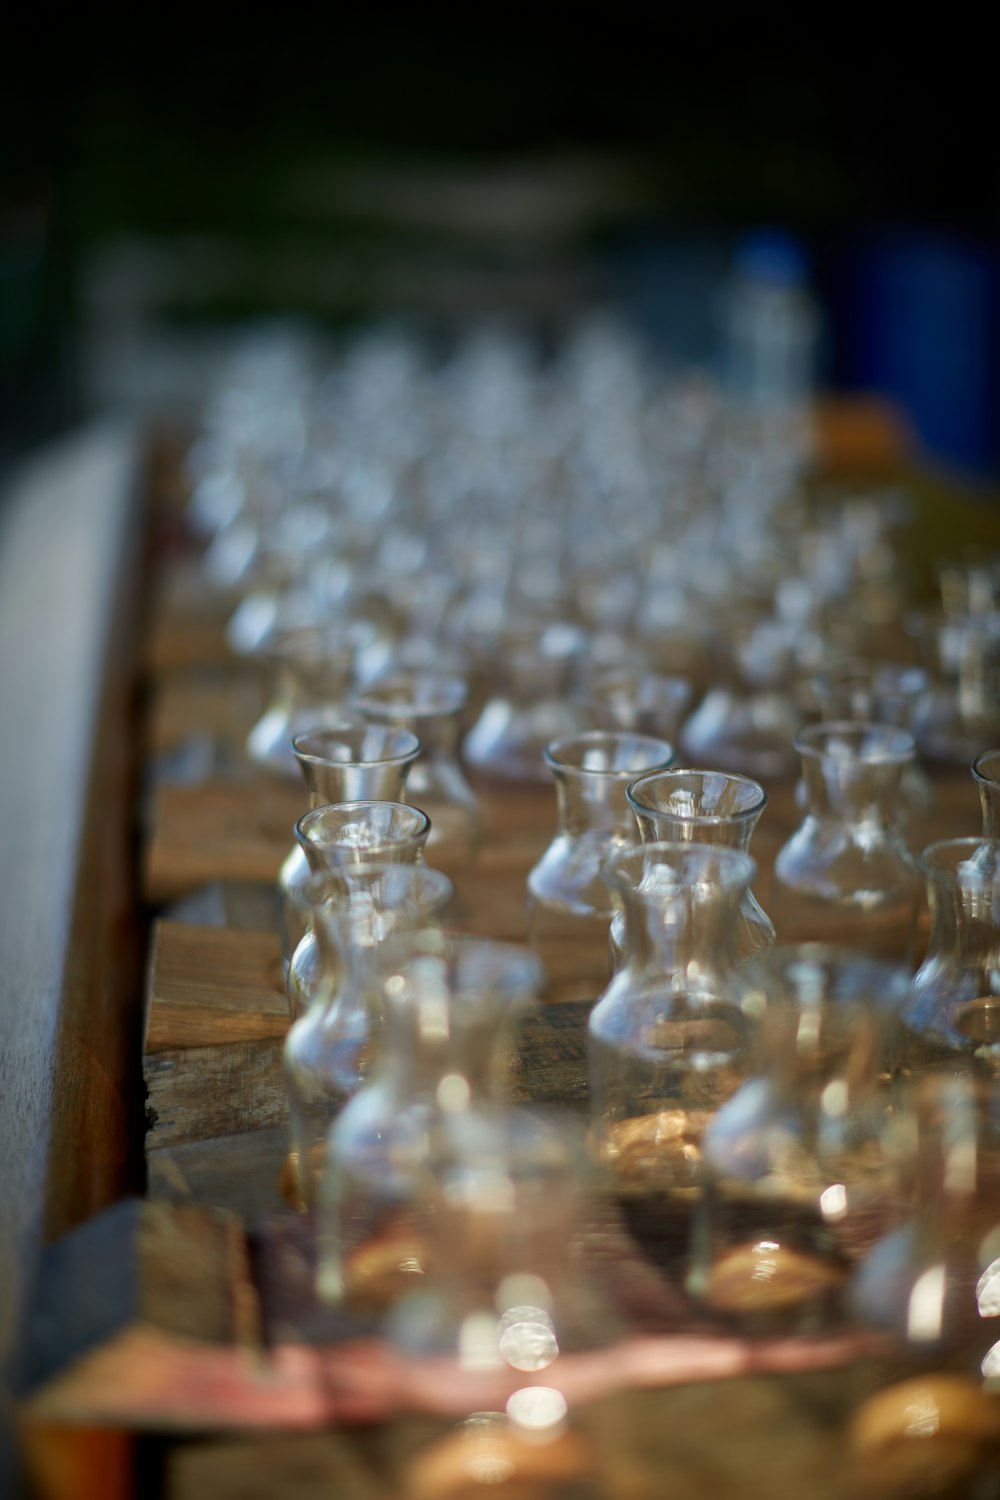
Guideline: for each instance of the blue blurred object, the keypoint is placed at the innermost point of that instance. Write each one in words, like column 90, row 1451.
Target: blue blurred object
column 770, row 324
column 770, row 257
column 922, row 326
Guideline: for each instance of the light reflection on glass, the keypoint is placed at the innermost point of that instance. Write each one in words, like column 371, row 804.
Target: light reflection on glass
column 923, row 1417
column 926, row 1307
column 530, row 1344
column 960, row 1165
column 537, row 1407
column 765, row 1267
column 477, row 1342
column 988, row 1291
column 989, row 1250
column 834, row 1098
column 833, row 1202
column 453, row 1093
column 486, row 1460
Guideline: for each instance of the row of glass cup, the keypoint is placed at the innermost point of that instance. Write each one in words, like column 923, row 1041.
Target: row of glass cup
column 532, row 529
column 845, row 875
column 686, row 907
column 844, row 866
column 533, row 682
column 816, row 1195
column 786, row 1164
column 537, row 524
column 861, row 794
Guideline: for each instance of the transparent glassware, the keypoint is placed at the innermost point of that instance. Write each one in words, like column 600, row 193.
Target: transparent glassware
column 531, row 666
column 320, row 590
column 449, row 1004
column 801, row 1169
column 702, row 807
column 955, row 1014
column 669, row 1040
column 962, row 655
column 846, row 875
column 986, row 774
column 505, row 1186
column 312, row 671
column 347, row 833
column 636, row 700
column 969, row 583
column 348, row 763
column 933, row 1287
column 503, row 1299
column 431, row 706
column 355, row 910
column 569, row 905
column 748, row 718
column 881, row 693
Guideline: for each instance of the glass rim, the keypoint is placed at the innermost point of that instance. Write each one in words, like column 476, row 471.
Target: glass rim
column 894, row 746
column 316, row 815
column 743, row 868
column 403, row 755
column 743, row 814
column 980, row 774
column 555, row 751
column 931, row 858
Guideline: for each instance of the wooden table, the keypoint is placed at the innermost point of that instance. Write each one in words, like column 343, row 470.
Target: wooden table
column 110, row 677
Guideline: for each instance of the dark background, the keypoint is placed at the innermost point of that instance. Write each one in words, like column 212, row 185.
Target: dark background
column 167, row 177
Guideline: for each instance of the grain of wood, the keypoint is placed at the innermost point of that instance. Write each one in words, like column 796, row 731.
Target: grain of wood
column 180, row 637
column 219, row 831
column 237, row 1172
column 211, row 985
column 198, row 1093
column 179, row 1269
column 550, row 1065
column 224, row 707
column 225, row 831
column 298, row 1468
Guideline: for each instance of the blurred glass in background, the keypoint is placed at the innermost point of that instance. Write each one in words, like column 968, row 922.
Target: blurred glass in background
column 367, row 168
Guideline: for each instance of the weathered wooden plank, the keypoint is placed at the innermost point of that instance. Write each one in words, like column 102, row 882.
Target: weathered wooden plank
column 223, row 705
column 511, row 808
column 200, row 1149
column 181, row 1270
column 77, row 1462
column 240, row 1173
column 211, row 985
column 222, row 830
column 489, row 904
column 198, row 1093
column 245, row 905
column 219, row 831
column 285, row 1247
column 186, row 633
column 326, row 1466
column 550, row 1065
